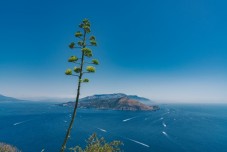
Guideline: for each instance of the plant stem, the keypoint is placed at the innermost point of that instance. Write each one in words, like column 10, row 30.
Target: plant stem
column 77, row 99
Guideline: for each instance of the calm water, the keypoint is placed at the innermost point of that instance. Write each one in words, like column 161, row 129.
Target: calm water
column 185, row 128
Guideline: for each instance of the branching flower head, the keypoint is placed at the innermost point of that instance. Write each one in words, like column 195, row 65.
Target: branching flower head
column 68, row 72
column 85, row 25
column 71, row 45
column 95, row 61
column 86, row 80
column 93, row 42
column 92, row 37
column 77, row 70
column 90, row 69
column 72, row 59
column 87, row 52
column 78, row 34
column 80, row 43
column 87, row 28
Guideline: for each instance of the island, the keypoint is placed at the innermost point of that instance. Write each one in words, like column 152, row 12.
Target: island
column 117, row 101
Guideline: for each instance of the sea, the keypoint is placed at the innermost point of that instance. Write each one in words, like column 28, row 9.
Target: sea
column 41, row 126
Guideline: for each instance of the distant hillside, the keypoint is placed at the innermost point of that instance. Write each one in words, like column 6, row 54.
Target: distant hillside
column 5, row 98
column 119, row 95
column 116, row 101
column 141, row 99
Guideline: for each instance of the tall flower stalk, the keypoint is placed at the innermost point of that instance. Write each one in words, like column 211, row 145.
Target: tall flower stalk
column 84, row 41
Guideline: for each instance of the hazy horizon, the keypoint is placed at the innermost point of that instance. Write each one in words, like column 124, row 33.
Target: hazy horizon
column 158, row 101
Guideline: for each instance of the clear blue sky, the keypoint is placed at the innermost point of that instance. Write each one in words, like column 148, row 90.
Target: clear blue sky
column 164, row 50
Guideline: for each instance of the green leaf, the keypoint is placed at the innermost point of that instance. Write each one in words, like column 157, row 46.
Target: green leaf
column 68, row 72
column 72, row 59
column 95, row 61
column 72, row 45
column 90, row 69
column 78, row 34
column 77, row 70
column 86, row 80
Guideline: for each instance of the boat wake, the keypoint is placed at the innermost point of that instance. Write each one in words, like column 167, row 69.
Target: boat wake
column 164, row 133
column 163, row 124
column 165, row 113
column 18, row 123
column 128, row 119
column 173, row 141
column 103, row 130
column 145, row 145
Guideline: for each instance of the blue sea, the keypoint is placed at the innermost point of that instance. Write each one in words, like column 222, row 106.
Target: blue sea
column 174, row 128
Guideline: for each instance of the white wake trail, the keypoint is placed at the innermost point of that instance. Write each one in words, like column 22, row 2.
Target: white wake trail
column 165, row 133
column 165, row 113
column 103, row 130
column 163, row 124
column 128, row 119
column 18, row 123
column 143, row 144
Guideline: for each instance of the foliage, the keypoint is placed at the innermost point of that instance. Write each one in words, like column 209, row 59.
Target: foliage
column 95, row 144
column 8, row 148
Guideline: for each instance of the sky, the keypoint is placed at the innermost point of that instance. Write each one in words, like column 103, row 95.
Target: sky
column 168, row 51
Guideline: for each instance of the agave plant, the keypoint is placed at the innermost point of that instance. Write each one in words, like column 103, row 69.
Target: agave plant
column 84, row 41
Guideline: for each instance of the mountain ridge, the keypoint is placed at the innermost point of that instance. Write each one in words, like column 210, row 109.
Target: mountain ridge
column 116, row 101
column 119, row 95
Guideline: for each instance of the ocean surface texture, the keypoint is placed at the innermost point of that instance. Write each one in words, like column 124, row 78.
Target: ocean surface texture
column 33, row 127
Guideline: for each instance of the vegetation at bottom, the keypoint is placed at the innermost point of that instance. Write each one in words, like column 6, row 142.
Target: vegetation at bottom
column 8, row 148
column 96, row 144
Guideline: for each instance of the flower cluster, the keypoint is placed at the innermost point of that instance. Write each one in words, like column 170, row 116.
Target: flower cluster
column 84, row 41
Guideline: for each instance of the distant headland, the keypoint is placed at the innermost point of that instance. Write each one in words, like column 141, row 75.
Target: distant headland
column 8, row 99
column 116, row 101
